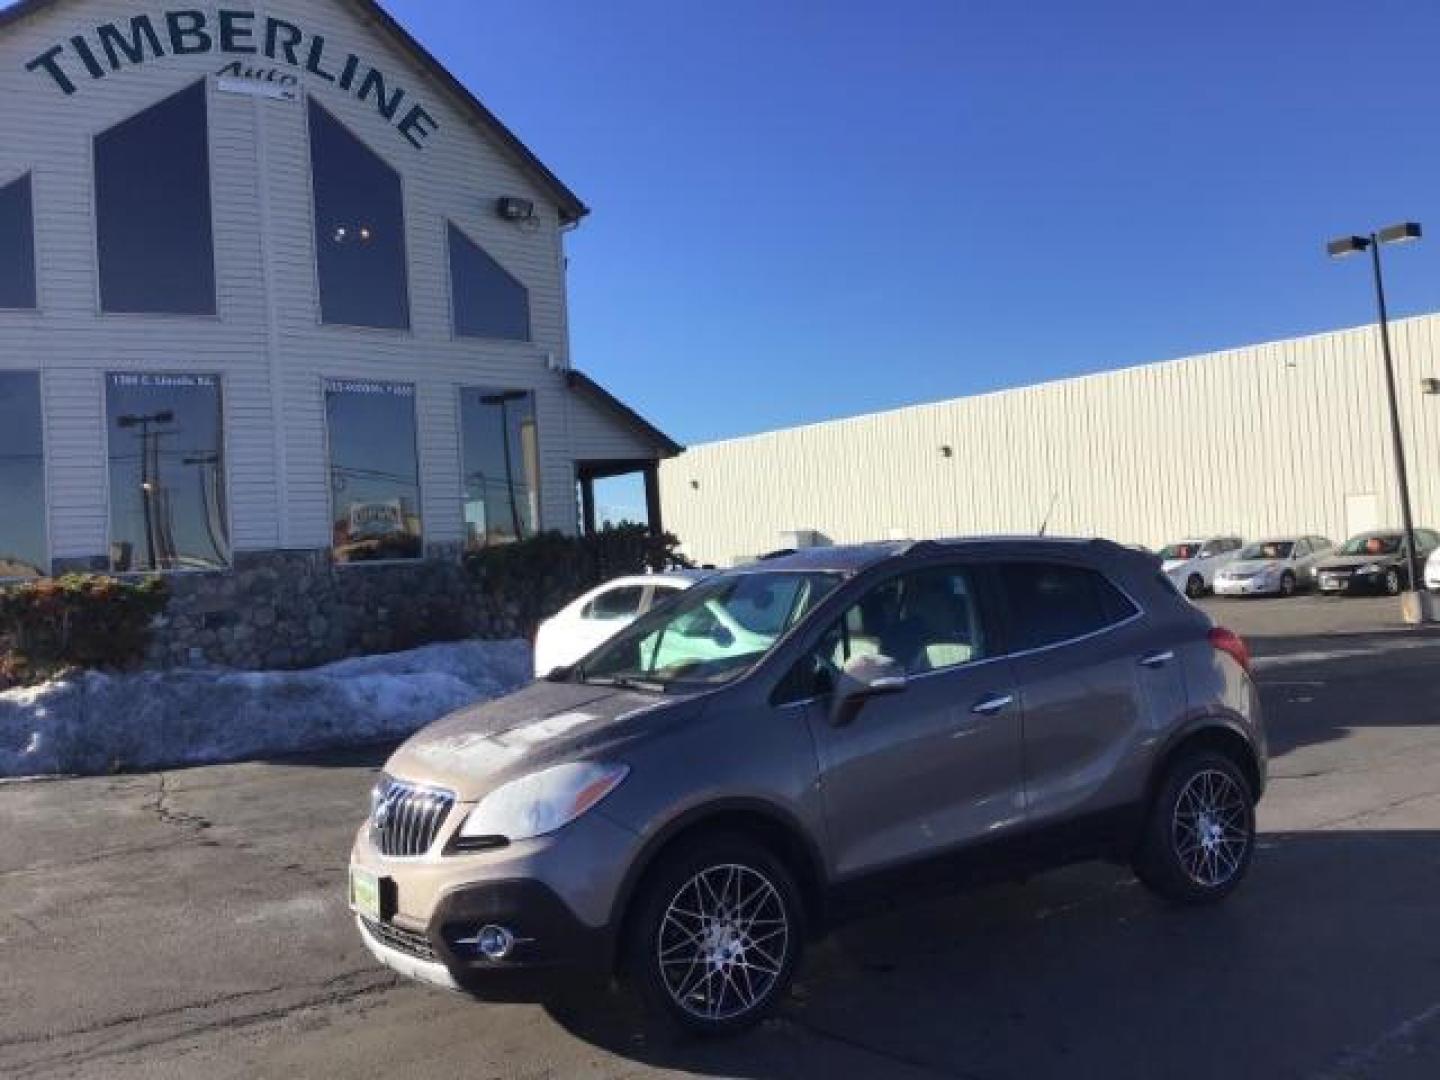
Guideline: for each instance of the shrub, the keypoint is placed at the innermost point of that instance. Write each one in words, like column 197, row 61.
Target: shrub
column 79, row 620
column 540, row 575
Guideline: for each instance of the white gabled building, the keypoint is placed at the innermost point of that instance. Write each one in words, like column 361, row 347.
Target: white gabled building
column 271, row 280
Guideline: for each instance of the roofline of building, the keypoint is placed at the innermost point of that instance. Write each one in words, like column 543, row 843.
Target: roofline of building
column 896, row 410
column 566, row 201
column 582, row 384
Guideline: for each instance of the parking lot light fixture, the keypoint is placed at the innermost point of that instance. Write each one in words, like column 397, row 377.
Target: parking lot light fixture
column 1350, row 245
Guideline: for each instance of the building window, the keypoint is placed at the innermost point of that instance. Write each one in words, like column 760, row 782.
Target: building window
column 487, row 302
column 359, row 229
column 374, row 470
column 22, row 477
column 167, row 473
column 152, row 210
column 17, row 245
column 502, row 465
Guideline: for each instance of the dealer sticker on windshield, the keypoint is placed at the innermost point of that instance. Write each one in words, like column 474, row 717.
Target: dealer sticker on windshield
column 365, row 893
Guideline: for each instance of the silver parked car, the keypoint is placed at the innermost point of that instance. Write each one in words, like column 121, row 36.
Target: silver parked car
column 690, row 803
column 1279, row 567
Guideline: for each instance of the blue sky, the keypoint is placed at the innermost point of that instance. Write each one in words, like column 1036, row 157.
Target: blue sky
column 812, row 209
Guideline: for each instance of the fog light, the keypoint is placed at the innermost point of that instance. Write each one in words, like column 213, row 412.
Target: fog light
column 495, row 942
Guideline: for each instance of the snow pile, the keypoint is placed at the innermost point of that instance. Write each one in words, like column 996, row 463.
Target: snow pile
column 96, row 723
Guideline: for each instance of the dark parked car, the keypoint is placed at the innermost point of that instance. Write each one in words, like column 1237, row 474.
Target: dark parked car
column 737, row 769
column 1373, row 562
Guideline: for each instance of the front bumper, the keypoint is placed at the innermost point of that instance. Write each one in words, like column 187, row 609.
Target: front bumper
column 1340, row 585
column 1246, row 587
column 553, row 949
column 555, row 894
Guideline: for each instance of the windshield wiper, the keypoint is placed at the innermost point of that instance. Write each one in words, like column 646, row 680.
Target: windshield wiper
column 625, row 682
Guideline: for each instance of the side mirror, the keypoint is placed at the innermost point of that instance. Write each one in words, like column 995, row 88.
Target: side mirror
column 863, row 678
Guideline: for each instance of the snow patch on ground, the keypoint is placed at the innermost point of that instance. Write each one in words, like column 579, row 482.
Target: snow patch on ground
column 96, row 723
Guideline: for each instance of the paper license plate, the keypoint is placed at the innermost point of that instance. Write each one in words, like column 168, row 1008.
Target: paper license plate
column 365, row 893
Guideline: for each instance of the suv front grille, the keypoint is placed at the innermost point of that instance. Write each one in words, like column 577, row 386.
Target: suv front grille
column 407, row 817
column 408, row 942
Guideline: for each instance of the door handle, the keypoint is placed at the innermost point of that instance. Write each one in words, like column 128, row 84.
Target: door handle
column 989, row 706
column 1157, row 659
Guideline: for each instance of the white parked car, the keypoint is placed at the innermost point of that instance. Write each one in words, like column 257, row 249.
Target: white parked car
column 594, row 617
column 1432, row 570
column 1192, row 564
column 1279, row 567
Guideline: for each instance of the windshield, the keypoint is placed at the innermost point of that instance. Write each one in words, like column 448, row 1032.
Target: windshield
column 1372, row 544
column 711, row 633
column 1179, row 551
column 1273, row 550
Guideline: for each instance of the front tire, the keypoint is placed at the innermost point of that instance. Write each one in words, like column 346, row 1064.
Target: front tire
column 1392, row 582
column 1195, row 587
column 717, row 935
column 1200, row 832
column 1287, row 584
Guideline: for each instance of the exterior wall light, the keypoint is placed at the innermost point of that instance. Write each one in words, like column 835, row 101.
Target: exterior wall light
column 1430, row 386
column 947, row 451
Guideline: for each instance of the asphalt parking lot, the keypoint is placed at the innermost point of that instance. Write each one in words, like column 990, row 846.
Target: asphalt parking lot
column 192, row 924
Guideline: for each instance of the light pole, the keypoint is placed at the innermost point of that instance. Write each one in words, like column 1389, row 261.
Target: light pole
column 1353, row 245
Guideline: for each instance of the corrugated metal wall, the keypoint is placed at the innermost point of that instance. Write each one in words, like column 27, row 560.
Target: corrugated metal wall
column 1290, row 436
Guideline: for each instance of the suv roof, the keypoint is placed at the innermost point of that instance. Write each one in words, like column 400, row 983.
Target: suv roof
column 852, row 558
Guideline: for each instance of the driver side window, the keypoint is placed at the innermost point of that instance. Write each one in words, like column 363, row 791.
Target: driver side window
column 925, row 621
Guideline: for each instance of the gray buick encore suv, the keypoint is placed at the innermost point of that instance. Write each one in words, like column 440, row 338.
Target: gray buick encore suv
column 742, row 766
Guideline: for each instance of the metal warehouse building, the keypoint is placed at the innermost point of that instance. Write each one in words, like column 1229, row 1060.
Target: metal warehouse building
column 279, row 300
column 1285, row 437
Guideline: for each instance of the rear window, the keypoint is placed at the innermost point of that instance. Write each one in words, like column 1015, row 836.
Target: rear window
column 1053, row 602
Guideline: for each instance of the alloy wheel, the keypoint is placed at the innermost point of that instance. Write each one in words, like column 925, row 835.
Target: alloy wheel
column 723, row 942
column 1210, row 828
column 1392, row 583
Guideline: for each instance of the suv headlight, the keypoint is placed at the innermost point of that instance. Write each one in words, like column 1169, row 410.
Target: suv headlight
column 543, row 801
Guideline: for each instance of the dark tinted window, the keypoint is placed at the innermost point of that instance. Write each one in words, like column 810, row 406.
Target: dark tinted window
column 359, row 229
column 17, row 245
column 488, row 302
column 22, row 477
column 374, row 470
column 152, row 206
column 167, row 473
column 501, row 451
column 1053, row 602
column 621, row 603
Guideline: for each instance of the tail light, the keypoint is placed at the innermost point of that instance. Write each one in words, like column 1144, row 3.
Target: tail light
column 1232, row 645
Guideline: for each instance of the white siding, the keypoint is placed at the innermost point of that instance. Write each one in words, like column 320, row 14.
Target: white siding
column 267, row 342
column 1260, row 440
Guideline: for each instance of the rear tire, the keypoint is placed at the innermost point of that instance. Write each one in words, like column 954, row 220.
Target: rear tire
column 1195, row 587
column 1200, row 832
column 717, row 934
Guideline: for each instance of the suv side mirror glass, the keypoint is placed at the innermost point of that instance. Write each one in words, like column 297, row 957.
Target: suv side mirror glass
column 863, row 678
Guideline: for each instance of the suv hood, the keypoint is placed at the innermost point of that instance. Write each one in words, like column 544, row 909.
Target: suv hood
column 476, row 749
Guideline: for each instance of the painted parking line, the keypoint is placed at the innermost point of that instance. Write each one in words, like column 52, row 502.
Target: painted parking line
column 1321, row 656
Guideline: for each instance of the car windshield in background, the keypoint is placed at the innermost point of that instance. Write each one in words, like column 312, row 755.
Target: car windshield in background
column 1371, row 544
column 1179, row 551
column 712, row 633
column 1266, row 551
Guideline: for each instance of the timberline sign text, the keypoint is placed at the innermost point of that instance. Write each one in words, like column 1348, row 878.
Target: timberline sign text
column 189, row 31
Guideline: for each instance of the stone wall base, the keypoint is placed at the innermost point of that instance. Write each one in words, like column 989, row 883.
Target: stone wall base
column 295, row 609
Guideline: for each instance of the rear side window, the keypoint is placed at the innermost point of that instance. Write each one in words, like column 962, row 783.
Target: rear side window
column 621, row 603
column 1053, row 602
